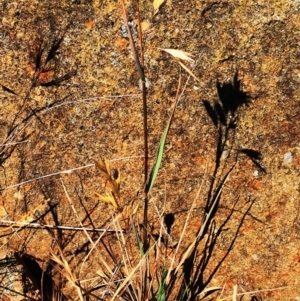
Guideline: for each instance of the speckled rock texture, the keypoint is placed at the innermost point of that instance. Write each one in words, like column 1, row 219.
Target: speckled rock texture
column 70, row 94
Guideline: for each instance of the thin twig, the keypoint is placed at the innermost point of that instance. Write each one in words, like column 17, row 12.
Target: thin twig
column 90, row 99
column 14, row 224
column 14, row 143
column 48, row 176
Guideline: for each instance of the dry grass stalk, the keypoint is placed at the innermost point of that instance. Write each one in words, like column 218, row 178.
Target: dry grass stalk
column 68, row 272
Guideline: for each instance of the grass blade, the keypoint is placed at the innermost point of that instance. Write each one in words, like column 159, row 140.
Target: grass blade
column 159, row 156
column 158, row 160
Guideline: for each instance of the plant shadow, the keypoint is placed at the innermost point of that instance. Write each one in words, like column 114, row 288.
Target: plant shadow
column 225, row 115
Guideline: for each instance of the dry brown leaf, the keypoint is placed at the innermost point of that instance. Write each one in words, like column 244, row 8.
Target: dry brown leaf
column 157, row 4
column 179, row 54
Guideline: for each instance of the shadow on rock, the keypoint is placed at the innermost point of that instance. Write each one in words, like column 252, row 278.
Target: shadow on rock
column 225, row 115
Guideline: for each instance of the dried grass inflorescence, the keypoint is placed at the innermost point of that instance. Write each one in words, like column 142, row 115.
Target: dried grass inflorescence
column 112, row 180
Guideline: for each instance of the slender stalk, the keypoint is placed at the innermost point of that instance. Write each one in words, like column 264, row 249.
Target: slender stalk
column 140, row 33
column 140, row 68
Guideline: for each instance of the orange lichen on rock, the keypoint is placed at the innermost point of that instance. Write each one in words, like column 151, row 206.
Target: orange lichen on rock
column 121, row 43
column 255, row 184
column 45, row 77
column 89, row 24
